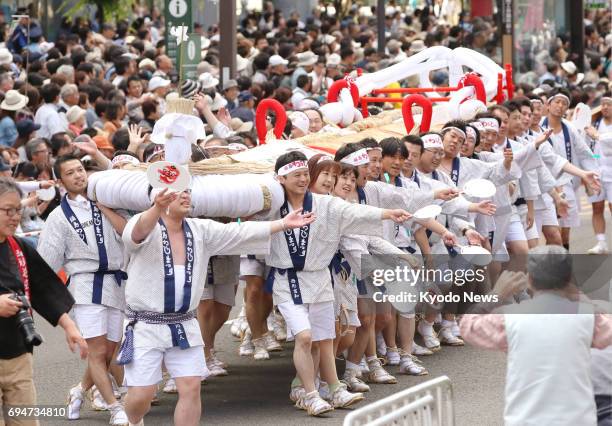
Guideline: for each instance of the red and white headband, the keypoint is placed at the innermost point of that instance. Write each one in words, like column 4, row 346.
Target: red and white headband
column 471, row 133
column 432, row 140
column 559, row 95
column 478, row 125
column 123, row 158
column 324, row 158
column 456, row 129
column 357, row 158
column 292, row 167
column 490, row 124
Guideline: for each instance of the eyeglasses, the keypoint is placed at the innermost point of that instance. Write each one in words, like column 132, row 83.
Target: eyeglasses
column 12, row 211
column 435, row 153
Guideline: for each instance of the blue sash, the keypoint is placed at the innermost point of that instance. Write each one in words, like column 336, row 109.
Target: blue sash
column 98, row 225
column 434, row 175
column 508, row 145
column 361, row 196
column 455, row 177
column 179, row 337
column 566, row 139
column 298, row 248
column 210, row 274
column 415, row 178
column 455, row 171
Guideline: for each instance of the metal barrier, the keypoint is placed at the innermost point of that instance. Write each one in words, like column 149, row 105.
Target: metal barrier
column 426, row 404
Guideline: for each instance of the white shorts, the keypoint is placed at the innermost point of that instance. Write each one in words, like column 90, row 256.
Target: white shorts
column 604, row 195
column 531, row 233
column 252, row 267
column 515, row 232
column 98, row 320
column 221, row 293
column 146, row 367
column 573, row 218
column 547, row 216
column 319, row 318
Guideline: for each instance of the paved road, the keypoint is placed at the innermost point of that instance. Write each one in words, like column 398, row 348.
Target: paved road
column 255, row 393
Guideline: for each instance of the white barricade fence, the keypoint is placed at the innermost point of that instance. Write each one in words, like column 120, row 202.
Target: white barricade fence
column 426, row 404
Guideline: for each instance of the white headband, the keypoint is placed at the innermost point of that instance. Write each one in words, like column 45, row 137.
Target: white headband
column 478, row 125
column 490, row 124
column 470, row 132
column 559, row 95
column 357, row 158
column 606, row 98
column 535, row 101
column 432, row 140
column 324, row 158
column 292, row 167
column 461, row 132
column 377, row 148
column 123, row 158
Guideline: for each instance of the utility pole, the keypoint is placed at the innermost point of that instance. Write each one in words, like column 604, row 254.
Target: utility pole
column 227, row 42
column 380, row 23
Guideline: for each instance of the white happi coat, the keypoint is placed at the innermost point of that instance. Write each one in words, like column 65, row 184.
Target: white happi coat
column 145, row 287
column 61, row 247
column 335, row 218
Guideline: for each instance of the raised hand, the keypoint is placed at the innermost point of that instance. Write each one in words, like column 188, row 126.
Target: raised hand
column 508, row 157
column 136, row 136
column 543, row 137
column 446, row 194
column 396, row 215
column 164, row 199
column 296, row 219
column 486, row 208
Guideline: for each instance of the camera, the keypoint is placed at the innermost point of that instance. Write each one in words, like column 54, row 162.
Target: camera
column 25, row 322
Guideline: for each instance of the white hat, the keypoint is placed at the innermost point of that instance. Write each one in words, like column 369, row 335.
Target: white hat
column 300, row 120
column 328, row 39
column 157, row 82
column 569, row 67
column 207, row 80
column 13, row 101
column 217, row 103
column 309, row 104
column 147, row 63
column 417, row 46
column 432, row 140
column 6, row 57
column 241, row 63
column 579, row 78
column 239, row 126
column 333, row 60
column 307, row 58
column 277, row 60
column 205, row 44
column 74, row 113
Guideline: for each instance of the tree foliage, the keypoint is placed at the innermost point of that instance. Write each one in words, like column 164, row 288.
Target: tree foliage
column 110, row 10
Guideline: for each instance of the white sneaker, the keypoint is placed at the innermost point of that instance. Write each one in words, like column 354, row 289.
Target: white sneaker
column 354, row 383
column 170, row 386
column 363, row 367
column 314, row 404
column 429, row 336
column 342, row 398
column 215, row 369
column 381, row 346
column 419, row 350
column 97, row 401
column 216, row 359
column 600, row 248
column 393, row 357
column 118, row 416
column 246, row 346
column 409, row 364
column 296, row 393
column 455, row 329
column 272, row 344
column 279, row 327
column 378, row 374
column 448, row 338
column 75, row 401
column 260, row 352
column 236, row 327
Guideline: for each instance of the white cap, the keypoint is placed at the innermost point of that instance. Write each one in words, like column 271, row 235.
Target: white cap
column 569, row 67
column 432, row 140
column 157, row 82
column 207, row 80
column 333, row 60
column 74, row 113
column 300, row 120
column 277, row 60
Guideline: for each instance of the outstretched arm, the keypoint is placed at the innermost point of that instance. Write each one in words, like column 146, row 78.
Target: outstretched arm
column 147, row 220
